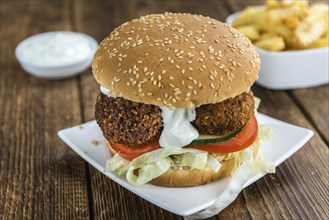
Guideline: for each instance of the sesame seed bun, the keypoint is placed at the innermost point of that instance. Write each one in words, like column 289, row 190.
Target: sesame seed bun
column 176, row 60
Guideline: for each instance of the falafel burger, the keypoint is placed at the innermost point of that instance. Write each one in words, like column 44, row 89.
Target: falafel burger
column 175, row 104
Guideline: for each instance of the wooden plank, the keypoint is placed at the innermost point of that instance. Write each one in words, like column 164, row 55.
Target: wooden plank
column 315, row 104
column 40, row 178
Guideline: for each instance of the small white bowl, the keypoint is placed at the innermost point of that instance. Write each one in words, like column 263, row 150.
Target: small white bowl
column 291, row 69
column 56, row 55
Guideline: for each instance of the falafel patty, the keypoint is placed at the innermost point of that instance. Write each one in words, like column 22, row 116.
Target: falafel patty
column 131, row 123
column 126, row 122
column 226, row 116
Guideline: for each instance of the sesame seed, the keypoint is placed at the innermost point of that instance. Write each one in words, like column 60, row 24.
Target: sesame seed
column 212, row 85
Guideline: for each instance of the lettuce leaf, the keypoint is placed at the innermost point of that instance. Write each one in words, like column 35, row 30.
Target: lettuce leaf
column 153, row 164
column 262, row 165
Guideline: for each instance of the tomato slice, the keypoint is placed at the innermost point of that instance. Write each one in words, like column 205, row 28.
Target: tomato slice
column 130, row 153
column 242, row 140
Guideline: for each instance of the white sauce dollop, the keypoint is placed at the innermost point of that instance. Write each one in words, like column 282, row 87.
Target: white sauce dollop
column 177, row 128
column 107, row 92
column 56, row 48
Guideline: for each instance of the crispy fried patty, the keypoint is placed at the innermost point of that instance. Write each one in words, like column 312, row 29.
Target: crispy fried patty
column 224, row 117
column 126, row 122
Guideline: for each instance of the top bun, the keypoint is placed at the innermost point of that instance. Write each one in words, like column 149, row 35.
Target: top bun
column 176, row 60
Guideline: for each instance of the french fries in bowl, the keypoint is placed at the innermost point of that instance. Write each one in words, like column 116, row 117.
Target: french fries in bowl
column 291, row 38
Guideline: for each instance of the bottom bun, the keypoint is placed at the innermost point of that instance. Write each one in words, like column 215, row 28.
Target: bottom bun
column 193, row 177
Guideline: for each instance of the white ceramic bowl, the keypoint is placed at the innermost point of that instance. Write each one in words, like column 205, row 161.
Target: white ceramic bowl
column 61, row 67
column 291, row 69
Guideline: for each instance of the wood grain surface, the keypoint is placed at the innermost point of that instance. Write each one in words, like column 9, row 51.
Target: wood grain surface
column 41, row 178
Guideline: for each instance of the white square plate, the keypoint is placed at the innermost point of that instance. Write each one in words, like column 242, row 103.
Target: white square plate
column 284, row 142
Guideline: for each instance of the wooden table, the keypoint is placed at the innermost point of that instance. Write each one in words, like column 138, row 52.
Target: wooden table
column 41, row 178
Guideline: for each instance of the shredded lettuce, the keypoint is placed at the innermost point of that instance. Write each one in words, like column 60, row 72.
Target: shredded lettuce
column 197, row 161
column 264, row 132
column 117, row 164
column 262, row 165
column 257, row 103
column 214, row 164
column 153, row 164
column 148, row 171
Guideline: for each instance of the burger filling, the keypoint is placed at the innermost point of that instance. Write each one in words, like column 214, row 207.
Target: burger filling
column 224, row 131
column 135, row 128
